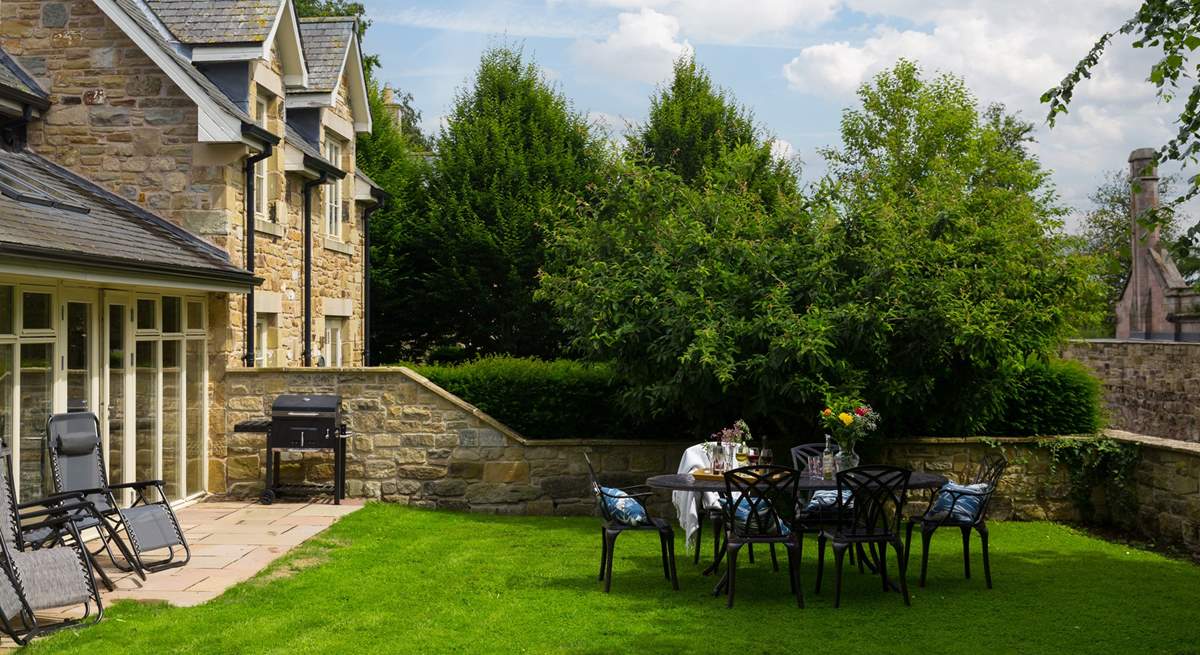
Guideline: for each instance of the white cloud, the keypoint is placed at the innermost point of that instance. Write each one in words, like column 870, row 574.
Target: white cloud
column 730, row 21
column 643, row 47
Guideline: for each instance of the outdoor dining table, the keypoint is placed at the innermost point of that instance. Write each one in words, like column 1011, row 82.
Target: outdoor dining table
column 685, row 482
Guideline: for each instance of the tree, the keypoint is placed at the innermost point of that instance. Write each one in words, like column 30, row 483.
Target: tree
column 922, row 275
column 310, row 8
column 1173, row 28
column 512, row 153
column 953, row 248
column 693, row 125
column 1106, row 233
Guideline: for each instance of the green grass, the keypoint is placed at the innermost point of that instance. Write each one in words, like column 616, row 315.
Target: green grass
column 399, row 580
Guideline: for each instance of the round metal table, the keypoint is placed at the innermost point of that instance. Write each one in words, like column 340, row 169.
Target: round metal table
column 683, row 482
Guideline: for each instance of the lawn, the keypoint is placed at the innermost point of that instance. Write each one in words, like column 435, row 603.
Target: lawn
column 400, row 580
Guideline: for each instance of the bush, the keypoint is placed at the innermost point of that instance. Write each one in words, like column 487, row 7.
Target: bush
column 1055, row 397
column 544, row 399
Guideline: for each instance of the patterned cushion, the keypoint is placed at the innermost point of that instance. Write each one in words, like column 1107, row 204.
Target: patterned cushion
column 965, row 509
column 624, row 508
column 761, row 525
column 826, row 500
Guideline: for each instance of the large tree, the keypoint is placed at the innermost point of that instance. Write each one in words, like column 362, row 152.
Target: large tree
column 508, row 162
column 926, row 271
column 693, row 125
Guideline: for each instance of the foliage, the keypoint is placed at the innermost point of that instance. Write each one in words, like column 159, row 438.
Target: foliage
column 693, row 125
column 1173, row 28
column 544, row 399
column 499, row 584
column 706, row 303
column 1099, row 463
column 464, row 268
column 950, row 251
column 1050, row 398
column 1107, row 237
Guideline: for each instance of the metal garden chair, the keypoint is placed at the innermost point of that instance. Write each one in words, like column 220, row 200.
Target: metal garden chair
column 759, row 507
column 962, row 507
column 879, row 493
column 614, row 526
column 43, row 564
column 148, row 524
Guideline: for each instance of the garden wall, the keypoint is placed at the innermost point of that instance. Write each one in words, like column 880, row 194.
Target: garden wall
column 415, row 443
column 1149, row 387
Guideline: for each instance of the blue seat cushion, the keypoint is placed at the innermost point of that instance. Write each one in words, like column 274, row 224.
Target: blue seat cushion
column 760, row 526
column 826, row 500
column 623, row 507
column 967, row 507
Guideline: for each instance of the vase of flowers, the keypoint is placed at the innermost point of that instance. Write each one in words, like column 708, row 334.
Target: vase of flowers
column 730, row 440
column 848, row 423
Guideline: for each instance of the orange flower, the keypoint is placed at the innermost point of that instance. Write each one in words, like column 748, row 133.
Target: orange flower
column 827, row 412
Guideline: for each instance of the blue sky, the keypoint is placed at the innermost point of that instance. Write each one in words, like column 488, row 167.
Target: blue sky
column 796, row 63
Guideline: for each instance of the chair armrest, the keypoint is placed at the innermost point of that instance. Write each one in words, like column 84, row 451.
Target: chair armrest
column 140, row 484
column 52, row 499
column 56, row 511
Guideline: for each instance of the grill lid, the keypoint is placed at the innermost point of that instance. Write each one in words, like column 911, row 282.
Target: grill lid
column 326, row 404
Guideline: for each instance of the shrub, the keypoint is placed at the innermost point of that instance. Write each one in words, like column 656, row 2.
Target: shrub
column 544, row 399
column 1054, row 397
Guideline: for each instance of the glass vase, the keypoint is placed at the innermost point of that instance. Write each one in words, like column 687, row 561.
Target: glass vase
column 845, row 459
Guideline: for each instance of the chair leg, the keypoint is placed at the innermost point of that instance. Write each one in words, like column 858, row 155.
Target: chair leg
column 820, row 562
column 603, row 553
column 731, row 552
column 926, row 534
column 883, row 566
column 861, row 557
column 902, row 559
column 966, row 537
column 612, row 542
column 774, row 561
column 794, row 571
column 983, row 543
column 699, row 531
column 908, row 540
column 839, row 554
column 751, row 553
column 671, row 555
column 718, row 525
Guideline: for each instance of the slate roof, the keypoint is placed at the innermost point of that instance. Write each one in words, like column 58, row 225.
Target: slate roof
column 293, row 137
column 101, row 230
column 13, row 78
column 213, row 22
column 131, row 8
column 325, row 41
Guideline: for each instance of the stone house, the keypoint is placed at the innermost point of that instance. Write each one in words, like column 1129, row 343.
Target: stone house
column 178, row 197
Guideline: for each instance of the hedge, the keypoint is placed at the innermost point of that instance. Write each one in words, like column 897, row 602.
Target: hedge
column 571, row 399
column 544, row 399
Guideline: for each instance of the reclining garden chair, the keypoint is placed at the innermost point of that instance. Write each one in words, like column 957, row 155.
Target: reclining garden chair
column 77, row 465
column 43, row 563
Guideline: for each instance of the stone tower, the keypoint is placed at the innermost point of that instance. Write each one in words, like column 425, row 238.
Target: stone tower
column 1157, row 304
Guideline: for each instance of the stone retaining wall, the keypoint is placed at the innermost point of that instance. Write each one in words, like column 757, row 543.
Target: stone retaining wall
column 1150, row 387
column 415, row 443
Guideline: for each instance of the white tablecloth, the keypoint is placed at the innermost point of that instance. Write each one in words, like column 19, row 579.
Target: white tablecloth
column 694, row 457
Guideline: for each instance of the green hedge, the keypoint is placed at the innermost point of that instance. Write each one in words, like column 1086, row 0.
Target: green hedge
column 570, row 399
column 543, row 399
column 1055, row 397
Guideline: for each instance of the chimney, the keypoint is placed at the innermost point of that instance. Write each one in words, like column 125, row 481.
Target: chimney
column 387, row 94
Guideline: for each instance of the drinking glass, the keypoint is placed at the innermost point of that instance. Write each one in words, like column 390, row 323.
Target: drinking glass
column 765, row 456
column 815, row 468
column 743, row 454
column 752, row 456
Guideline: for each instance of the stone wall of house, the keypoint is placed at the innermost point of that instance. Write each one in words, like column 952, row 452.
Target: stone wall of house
column 416, row 444
column 1150, row 387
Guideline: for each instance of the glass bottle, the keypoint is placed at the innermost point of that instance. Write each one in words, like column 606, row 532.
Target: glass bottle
column 827, row 459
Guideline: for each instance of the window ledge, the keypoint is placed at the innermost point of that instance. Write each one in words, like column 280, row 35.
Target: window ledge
column 267, row 227
column 338, row 246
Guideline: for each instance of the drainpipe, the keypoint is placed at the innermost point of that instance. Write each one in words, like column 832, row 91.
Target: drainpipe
column 268, row 147
column 308, row 187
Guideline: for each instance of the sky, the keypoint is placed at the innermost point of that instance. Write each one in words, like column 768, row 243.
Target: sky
column 796, row 63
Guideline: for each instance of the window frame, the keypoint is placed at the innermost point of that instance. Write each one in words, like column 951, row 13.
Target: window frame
column 333, row 191
column 261, row 109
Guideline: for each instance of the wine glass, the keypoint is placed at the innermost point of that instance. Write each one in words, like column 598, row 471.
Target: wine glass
column 752, row 456
column 743, row 454
column 766, row 457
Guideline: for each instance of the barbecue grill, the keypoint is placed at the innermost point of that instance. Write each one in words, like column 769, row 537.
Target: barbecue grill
column 302, row 423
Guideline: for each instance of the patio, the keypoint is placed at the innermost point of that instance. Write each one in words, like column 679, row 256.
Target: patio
column 231, row 541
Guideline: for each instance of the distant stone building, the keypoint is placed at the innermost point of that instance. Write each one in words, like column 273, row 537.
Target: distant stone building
column 1158, row 303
